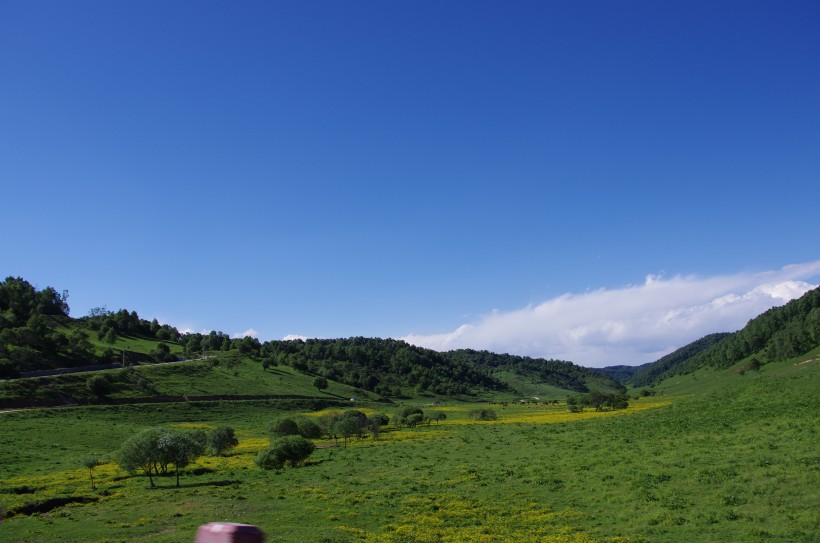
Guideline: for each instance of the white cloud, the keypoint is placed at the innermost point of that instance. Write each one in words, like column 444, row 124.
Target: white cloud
column 250, row 332
column 291, row 337
column 632, row 324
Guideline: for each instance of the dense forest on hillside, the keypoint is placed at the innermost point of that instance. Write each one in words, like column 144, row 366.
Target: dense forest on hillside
column 665, row 366
column 37, row 333
column 781, row 332
column 559, row 373
column 621, row 374
column 384, row 366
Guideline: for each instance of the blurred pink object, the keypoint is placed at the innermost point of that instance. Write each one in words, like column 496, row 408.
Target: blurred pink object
column 229, row 532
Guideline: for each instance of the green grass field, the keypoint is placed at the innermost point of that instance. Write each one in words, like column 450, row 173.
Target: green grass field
column 715, row 457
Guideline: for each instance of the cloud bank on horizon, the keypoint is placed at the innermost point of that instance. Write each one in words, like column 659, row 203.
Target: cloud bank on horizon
column 629, row 325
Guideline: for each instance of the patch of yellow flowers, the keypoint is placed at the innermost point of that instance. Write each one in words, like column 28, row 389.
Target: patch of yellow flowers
column 453, row 519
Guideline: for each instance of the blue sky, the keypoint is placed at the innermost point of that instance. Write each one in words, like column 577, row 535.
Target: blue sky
column 406, row 169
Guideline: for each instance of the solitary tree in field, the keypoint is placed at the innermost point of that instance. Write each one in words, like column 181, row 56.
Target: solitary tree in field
column 320, row 383
column 438, row 416
column 91, row 462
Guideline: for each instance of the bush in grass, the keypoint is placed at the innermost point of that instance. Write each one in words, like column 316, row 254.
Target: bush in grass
column 292, row 450
column 308, row 428
column 222, row 439
column 407, row 411
column 284, row 427
column 415, row 419
column 380, row 418
column 98, row 385
column 483, row 414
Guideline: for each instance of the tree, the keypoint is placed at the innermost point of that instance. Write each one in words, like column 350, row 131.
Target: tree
column 91, row 462
column 308, row 428
column 345, row 427
column 290, row 449
column 98, row 385
column 284, row 427
column 483, row 414
column 438, row 416
column 222, row 439
column 178, row 449
column 154, row 449
column 110, row 336
column 415, row 419
column 141, row 452
column 162, row 353
column 320, row 383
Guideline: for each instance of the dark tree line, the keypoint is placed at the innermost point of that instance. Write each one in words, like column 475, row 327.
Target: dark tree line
column 598, row 401
column 109, row 324
column 559, row 373
column 383, row 366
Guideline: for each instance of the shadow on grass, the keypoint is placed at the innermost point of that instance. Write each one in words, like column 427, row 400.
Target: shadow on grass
column 198, row 485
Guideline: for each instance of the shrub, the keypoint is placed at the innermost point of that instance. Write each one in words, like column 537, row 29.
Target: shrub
column 222, row 439
column 483, row 414
column 284, row 427
column 98, row 385
column 293, row 450
column 415, row 419
column 308, row 428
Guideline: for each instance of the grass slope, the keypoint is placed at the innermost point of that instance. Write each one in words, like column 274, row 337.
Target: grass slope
column 211, row 377
column 715, row 457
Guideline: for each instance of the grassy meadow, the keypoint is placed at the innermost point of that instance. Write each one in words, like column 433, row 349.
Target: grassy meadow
column 715, row 457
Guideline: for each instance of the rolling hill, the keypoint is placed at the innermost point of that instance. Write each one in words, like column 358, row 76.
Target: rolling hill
column 779, row 333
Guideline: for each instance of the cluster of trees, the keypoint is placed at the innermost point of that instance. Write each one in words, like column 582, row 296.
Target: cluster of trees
column 781, row 332
column 559, row 373
column 29, row 338
column 37, row 333
column 482, row 414
column 109, row 325
column 196, row 343
column 334, row 425
column 383, row 366
column 155, row 451
column 598, row 401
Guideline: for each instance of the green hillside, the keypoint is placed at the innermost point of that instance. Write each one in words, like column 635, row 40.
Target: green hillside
column 36, row 333
column 668, row 365
column 620, row 374
column 781, row 332
column 520, row 373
